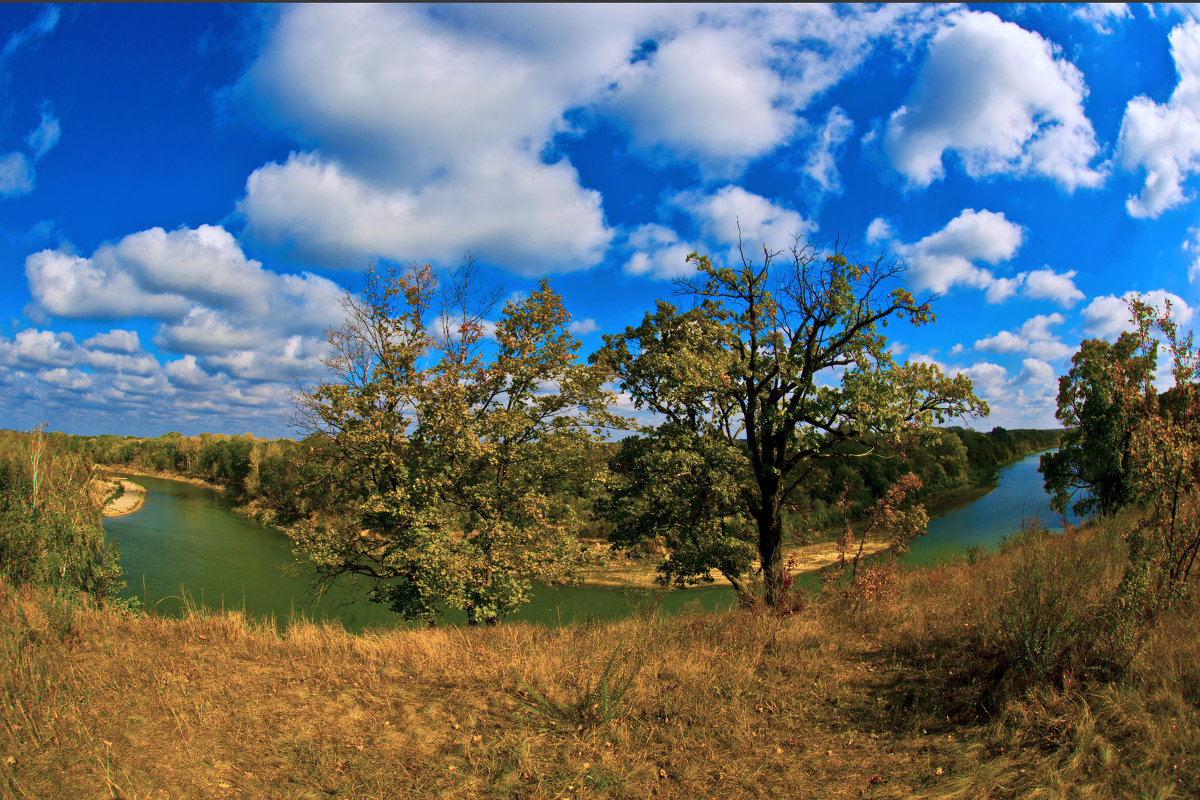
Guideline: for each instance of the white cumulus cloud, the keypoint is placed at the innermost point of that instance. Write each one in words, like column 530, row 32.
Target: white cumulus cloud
column 1024, row 400
column 1164, row 138
column 659, row 252
column 422, row 132
column 706, row 93
column 431, row 130
column 1108, row 316
column 1000, row 98
column 116, row 340
column 1033, row 338
column 529, row 217
column 722, row 219
column 164, row 275
column 951, row 256
column 212, row 301
column 1046, row 284
column 720, row 214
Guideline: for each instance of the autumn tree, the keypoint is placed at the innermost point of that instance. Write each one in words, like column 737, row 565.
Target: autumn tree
column 1164, row 460
column 775, row 366
column 451, row 450
column 1090, row 471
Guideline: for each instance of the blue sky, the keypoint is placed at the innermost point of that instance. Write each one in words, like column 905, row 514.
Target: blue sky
column 185, row 191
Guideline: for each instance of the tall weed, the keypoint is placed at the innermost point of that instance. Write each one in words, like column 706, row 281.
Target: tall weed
column 591, row 698
column 1065, row 611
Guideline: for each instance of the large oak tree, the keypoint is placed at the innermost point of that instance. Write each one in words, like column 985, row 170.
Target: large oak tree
column 774, row 366
column 1090, row 471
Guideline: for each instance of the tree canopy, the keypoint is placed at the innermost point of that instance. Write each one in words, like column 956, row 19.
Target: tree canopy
column 1091, row 467
column 450, row 450
column 775, row 366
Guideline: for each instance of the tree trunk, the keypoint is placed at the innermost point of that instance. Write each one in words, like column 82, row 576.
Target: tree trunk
column 770, row 543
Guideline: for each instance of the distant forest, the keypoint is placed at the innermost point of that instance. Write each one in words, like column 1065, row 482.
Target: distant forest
column 283, row 480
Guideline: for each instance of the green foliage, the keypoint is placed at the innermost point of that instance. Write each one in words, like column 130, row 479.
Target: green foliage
column 752, row 361
column 1164, row 471
column 50, row 531
column 593, row 699
column 1092, row 466
column 675, row 489
column 447, row 459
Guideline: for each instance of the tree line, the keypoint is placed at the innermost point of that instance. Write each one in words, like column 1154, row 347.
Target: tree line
column 281, row 478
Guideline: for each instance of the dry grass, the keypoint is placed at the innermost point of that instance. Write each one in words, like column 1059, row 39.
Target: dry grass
column 886, row 695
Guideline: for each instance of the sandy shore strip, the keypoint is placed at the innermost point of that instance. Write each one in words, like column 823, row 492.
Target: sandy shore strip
column 624, row 572
column 132, row 497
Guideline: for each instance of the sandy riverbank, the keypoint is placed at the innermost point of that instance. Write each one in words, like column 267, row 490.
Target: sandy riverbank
column 623, row 572
column 132, row 497
column 168, row 476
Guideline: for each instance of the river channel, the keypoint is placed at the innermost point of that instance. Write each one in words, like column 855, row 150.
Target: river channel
column 187, row 546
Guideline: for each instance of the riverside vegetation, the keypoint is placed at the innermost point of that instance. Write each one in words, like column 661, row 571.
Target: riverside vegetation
column 1062, row 666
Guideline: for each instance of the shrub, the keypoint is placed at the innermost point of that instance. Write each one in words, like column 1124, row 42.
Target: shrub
column 592, row 698
column 50, row 531
column 1064, row 613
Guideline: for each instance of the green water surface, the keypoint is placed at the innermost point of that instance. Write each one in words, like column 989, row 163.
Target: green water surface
column 186, row 542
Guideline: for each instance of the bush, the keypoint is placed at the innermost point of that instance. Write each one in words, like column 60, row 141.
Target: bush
column 591, row 698
column 1066, row 612
column 50, row 531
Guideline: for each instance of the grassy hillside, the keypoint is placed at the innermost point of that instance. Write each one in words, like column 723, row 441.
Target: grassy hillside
column 897, row 689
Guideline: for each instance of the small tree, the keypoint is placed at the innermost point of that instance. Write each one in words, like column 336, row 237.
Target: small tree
column 1092, row 465
column 1164, row 470
column 450, row 455
column 776, row 366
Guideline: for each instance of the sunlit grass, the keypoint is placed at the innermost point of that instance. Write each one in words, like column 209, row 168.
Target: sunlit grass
column 895, row 695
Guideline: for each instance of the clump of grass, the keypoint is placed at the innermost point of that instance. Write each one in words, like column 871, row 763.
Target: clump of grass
column 594, row 698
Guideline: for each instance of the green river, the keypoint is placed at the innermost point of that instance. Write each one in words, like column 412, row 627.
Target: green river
column 186, row 545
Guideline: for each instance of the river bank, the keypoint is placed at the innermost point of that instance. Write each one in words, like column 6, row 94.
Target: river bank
column 119, row 496
column 166, row 476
